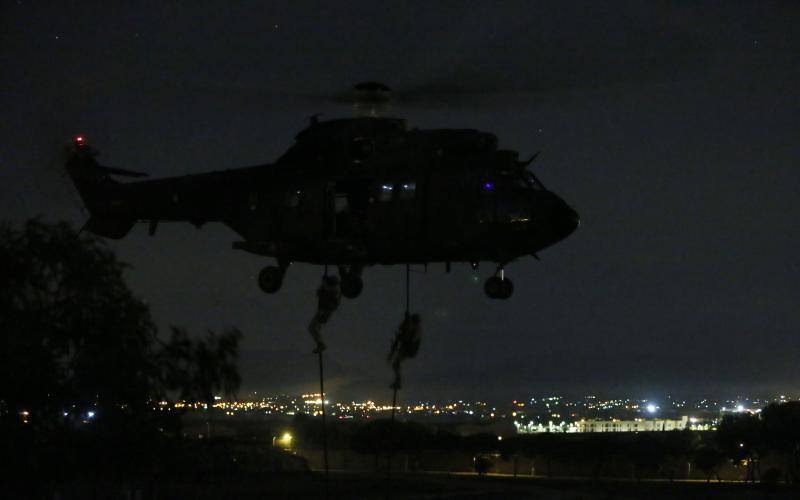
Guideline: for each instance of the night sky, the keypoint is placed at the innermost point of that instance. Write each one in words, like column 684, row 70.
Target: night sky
column 672, row 129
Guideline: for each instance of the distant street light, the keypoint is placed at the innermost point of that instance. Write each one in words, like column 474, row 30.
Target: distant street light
column 285, row 441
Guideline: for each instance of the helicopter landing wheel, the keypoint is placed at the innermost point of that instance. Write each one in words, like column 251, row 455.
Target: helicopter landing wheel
column 270, row 279
column 498, row 288
column 351, row 285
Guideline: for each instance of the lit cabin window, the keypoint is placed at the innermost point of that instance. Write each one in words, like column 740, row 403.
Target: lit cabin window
column 385, row 192
column 406, row 190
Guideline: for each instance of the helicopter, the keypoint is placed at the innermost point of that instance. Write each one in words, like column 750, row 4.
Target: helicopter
column 350, row 193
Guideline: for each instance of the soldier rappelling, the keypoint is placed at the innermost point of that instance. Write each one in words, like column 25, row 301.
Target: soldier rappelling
column 404, row 345
column 328, row 297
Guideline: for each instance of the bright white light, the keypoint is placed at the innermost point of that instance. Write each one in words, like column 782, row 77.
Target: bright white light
column 740, row 408
column 651, row 408
column 90, row 414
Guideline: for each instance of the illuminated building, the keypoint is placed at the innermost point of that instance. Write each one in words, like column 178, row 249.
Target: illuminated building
column 637, row 425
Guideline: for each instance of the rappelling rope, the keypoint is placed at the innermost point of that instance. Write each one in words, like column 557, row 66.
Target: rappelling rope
column 329, row 296
column 324, row 431
column 395, row 388
column 396, row 384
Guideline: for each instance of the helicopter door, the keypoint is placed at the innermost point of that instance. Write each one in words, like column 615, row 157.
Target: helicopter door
column 348, row 208
column 393, row 216
column 406, row 210
column 300, row 211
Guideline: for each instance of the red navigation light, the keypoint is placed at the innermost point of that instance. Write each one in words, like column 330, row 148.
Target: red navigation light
column 79, row 140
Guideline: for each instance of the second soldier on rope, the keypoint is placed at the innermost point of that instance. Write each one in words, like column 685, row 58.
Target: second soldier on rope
column 405, row 345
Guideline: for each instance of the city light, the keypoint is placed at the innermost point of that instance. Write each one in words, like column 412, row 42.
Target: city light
column 285, row 441
column 531, row 415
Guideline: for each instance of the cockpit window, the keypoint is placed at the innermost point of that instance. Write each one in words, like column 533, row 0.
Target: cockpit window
column 512, row 205
column 519, row 180
column 532, row 180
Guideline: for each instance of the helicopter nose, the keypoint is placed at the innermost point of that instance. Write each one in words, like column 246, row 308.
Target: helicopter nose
column 566, row 221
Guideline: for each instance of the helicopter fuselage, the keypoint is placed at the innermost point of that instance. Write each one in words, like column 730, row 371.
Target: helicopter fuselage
column 357, row 191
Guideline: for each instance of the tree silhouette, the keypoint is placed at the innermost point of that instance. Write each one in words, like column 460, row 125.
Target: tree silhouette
column 71, row 330
column 781, row 432
column 740, row 438
column 81, row 364
column 199, row 369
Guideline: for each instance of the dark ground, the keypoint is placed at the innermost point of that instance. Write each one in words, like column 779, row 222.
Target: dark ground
column 432, row 486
